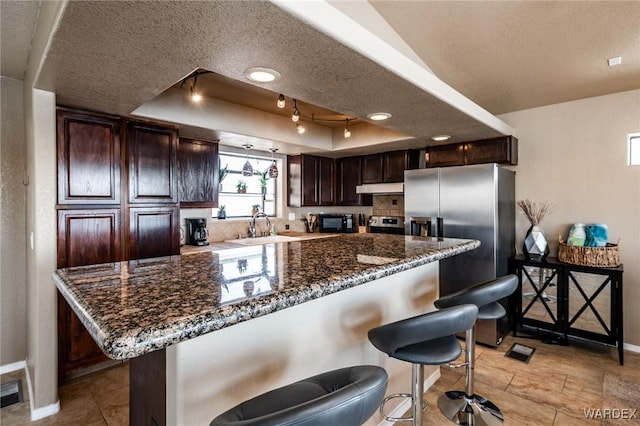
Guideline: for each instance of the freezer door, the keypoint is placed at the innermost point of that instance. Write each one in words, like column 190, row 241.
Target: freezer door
column 420, row 195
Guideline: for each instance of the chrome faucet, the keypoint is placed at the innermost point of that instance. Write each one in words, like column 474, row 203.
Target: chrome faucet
column 252, row 224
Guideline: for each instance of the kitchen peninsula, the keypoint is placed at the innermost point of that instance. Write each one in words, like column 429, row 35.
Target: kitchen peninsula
column 205, row 331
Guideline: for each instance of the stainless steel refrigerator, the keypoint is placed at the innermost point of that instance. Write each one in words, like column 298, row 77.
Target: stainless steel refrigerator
column 476, row 202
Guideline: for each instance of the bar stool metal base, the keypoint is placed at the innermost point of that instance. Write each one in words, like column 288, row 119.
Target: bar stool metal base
column 475, row 411
column 399, row 419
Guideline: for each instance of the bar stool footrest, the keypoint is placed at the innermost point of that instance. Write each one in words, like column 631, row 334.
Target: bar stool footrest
column 398, row 419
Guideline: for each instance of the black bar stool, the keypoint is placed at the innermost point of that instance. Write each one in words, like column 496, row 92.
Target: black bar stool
column 347, row 396
column 428, row 339
column 467, row 408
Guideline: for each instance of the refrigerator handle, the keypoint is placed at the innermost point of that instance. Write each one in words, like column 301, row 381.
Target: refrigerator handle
column 440, row 227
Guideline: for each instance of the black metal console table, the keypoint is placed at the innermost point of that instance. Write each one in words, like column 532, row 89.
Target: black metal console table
column 572, row 300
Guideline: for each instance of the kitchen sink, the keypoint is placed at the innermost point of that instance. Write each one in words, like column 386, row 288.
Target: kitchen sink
column 263, row 240
column 278, row 239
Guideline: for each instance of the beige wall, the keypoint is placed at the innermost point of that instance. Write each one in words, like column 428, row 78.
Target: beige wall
column 13, row 285
column 574, row 154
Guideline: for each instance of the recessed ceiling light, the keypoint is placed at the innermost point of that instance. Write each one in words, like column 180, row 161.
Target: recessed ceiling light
column 379, row 116
column 439, row 138
column 261, row 74
column 614, row 61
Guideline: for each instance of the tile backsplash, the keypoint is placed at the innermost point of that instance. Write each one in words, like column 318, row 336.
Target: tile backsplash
column 388, row 205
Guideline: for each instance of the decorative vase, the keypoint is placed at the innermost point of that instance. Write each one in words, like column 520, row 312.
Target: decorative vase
column 535, row 245
column 222, row 215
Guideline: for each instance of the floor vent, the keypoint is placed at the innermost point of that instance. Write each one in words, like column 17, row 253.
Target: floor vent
column 520, row 352
column 11, row 393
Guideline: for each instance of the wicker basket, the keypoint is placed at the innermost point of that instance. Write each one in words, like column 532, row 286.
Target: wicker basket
column 600, row 257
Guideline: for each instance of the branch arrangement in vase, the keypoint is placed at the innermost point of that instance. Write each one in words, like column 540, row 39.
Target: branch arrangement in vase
column 535, row 211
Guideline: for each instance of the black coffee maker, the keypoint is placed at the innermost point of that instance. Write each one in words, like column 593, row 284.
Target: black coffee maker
column 197, row 231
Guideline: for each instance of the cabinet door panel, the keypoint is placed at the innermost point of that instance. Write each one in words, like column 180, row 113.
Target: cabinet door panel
column 152, row 159
column 325, row 181
column 88, row 150
column 294, row 181
column 309, row 181
column 153, row 232
column 348, row 176
column 445, row 155
column 396, row 162
column 372, row 168
column 87, row 237
column 496, row 150
column 198, row 173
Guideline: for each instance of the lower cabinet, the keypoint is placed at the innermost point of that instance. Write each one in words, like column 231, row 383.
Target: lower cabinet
column 85, row 237
column 153, row 232
column 569, row 300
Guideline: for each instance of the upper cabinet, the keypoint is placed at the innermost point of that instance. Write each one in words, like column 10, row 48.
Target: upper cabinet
column 198, row 173
column 88, row 154
column 348, row 176
column 152, row 163
column 494, row 150
column 389, row 166
column 310, row 181
column 502, row 150
column 372, row 168
column 396, row 162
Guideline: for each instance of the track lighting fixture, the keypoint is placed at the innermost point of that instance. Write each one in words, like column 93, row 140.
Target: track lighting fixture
column 296, row 114
column 281, row 102
column 347, row 132
column 273, row 169
column 247, row 169
column 300, row 128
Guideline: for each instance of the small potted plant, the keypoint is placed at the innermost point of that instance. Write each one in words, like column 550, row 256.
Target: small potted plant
column 222, row 213
column 241, row 186
column 255, row 209
column 264, row 178
column 222, row 173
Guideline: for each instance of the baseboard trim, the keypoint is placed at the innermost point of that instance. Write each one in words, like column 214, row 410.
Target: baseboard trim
column 406, row 404
column 42, row 412
column 14, row 366
column 631, row 348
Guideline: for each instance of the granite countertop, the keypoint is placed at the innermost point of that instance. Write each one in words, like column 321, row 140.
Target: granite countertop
column 135, row 307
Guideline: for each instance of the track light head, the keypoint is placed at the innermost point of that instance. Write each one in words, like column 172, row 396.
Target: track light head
column 281, row 103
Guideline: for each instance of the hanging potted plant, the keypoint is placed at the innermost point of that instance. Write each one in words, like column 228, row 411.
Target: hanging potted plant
column 222, row 213
column 255, row 209
column 241, row 187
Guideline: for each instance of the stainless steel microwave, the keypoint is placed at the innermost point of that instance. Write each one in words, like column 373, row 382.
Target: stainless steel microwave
column 336, row 223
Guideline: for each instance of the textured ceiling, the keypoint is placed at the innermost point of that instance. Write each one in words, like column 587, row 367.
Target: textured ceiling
column 115, row 56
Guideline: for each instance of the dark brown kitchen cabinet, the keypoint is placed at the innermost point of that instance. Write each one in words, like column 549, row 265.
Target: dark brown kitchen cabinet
column 85, row 237
column 388, row 167
column 198, row 173
column 495, row 150
column 88, row 155
column 372, row 166
column 152, row 163
column 153, row 232
column 310, row 181
column 348, row 176
column 503, row 150
column 396, row 162
column 445, row 155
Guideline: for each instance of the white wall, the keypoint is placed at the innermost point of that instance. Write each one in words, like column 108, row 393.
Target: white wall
column 13, row 283
column 574, row 155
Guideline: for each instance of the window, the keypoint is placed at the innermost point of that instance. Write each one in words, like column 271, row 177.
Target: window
column 259, row 192
column 634, row 149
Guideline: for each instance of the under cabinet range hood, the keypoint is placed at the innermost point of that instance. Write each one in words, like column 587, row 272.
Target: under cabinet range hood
column 381, row 188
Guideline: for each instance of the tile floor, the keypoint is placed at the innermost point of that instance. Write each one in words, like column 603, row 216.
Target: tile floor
column 554, row 388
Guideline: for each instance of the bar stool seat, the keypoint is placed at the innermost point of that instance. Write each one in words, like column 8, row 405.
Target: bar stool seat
column 465, row 407
column 347, row 396
column 428, row 339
